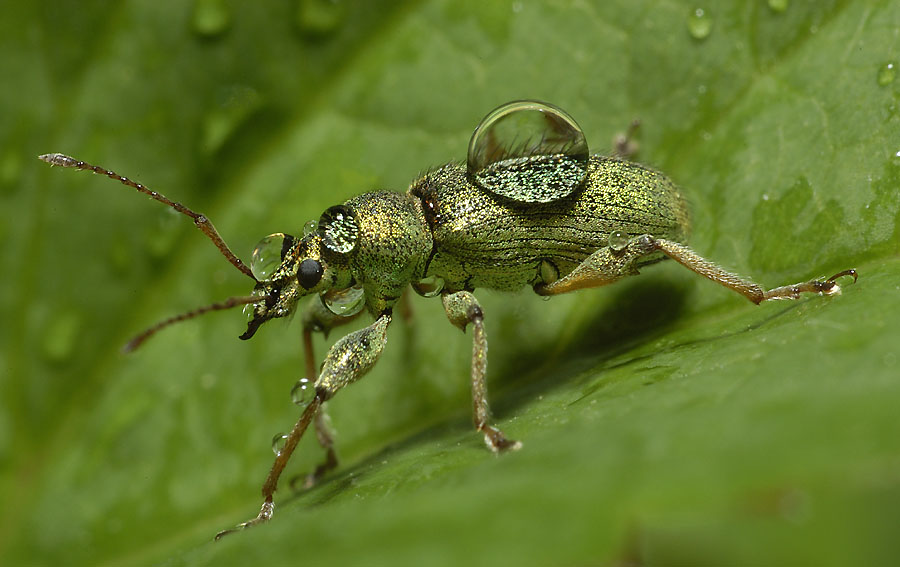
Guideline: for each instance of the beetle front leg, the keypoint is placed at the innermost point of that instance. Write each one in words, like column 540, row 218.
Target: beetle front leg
column 462, row 309
column 319, row 319
column 347, row 361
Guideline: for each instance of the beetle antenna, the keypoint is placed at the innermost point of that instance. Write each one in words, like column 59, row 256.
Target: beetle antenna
column 200, row 220
column 139, row 339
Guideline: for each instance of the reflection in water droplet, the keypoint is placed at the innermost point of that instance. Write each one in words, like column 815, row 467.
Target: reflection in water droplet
column 886, row 74
column 345, row 302
column 235, row 105
column 338, row 229
column 779, row 5
column 278, row 442
column 618, row 240
column 310, row 227
column 429, row 287
column 317, row 19
column 61, row 336
column 211, row 17
column 699, row 24
column 302, row 392
column 268, row 254
column 528, row 151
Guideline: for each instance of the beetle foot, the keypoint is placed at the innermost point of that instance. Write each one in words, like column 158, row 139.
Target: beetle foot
column 265, row 514
column 497, row 441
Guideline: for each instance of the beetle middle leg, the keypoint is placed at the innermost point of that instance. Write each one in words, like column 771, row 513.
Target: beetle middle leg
column 463, row 309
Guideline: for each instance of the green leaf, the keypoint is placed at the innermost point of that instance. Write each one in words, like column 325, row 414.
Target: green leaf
column 665, row 420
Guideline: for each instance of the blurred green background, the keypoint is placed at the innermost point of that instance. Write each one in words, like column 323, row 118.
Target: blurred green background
column 665, row 420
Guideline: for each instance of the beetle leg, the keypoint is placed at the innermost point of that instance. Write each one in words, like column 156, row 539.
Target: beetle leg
column 607, row 265
column 318, row 318
column 752, row 291
column 603, row 267
column 462, row 308
column 347, row 361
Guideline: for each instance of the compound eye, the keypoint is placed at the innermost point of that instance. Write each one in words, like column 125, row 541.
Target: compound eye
column 309, row 273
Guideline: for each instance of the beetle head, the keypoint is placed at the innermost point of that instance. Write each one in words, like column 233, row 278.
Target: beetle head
column 288, row 269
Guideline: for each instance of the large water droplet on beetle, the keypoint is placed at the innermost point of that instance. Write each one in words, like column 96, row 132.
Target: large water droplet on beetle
column 210, row 17
column 429, row 287
column 278, row 443
column 268, row 254
column 344, row 302
column 302, row 392
column 338, row 229
column 528, row 151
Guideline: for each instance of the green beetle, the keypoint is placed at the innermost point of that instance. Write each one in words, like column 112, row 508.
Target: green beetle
column 529, row 207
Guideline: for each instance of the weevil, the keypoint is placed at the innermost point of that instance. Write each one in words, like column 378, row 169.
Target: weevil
column 530, row 206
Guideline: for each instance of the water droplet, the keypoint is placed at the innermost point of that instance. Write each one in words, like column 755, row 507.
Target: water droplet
column 886, row 74
column 429, row 286
column 310, row 227
column 61, row 336
column 211, row 17
column 345, row 302
column 528, row 151
column 317, row 19
column 548, row 272
column 699, row 24
column 338, row 229
column 778, row 5
column 302, row 392
column 278, row 442
column 269, row 253
column 236, row 104
column 618, row 240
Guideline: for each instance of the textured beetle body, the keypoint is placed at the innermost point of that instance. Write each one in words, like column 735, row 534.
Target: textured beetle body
column 482, row 240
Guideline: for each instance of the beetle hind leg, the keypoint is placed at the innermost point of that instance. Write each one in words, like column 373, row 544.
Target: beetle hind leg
column 463, row 309
column 607, row 265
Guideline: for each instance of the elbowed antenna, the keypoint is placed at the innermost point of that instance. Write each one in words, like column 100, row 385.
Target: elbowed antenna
column 200, row 221
column 139, row 339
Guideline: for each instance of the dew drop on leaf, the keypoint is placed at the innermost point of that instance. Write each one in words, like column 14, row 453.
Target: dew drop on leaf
column 779, row 5
column 886, row 74
column 210, row 18
column 317, row 19
column 699, row 24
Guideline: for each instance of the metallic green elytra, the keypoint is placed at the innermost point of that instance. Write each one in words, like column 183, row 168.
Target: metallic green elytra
column 530, row 207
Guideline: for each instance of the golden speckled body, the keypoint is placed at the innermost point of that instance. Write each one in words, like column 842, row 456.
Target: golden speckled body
column 484, row 240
